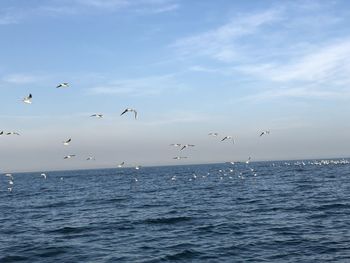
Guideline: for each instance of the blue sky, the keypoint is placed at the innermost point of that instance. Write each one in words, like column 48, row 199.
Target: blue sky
column 188, row 67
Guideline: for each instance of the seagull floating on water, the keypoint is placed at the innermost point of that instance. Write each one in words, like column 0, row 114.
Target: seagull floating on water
column 28, row 99
column 62, row 85
column 264, row 132
column 67, row 142
column 129, row 110
column 138, row 167
column 69, row 156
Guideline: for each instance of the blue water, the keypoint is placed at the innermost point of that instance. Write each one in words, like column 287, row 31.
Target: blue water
column 279, row 212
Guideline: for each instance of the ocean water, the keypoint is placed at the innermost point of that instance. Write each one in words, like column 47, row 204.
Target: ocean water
column 257, row 212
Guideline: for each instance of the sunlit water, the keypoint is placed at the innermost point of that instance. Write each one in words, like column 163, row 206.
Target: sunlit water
column 257, row 212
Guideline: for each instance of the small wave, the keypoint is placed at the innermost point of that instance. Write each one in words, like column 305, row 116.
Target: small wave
column 167, row 220
column 71, row 230
column 186, row 254
column 8, row 259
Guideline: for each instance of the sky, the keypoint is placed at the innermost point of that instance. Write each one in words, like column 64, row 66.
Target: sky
column 187, row 67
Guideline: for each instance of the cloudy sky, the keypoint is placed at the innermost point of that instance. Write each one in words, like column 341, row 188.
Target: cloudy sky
column 188, row 67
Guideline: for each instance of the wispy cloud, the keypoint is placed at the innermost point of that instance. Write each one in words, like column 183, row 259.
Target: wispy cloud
column 20, row 78
column 9, row 16
column 220, row 43
column 147, row 86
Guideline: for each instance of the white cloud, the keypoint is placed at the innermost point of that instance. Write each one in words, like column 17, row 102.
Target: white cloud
column 147, row 86
column 219, row 43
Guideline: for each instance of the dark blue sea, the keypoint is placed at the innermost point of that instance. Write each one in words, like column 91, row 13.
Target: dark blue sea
column 296, row 211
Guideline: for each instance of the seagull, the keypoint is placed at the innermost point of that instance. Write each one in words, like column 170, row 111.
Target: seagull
column 129, row 110
column 10, row 176
column 187, row 145
column 97, row 115
column 28, row 99
column 43, row 175
column 10, row 189
column 215, row 134
column 90, row 158
column 138, row 167
column 175, row 144
column 227, row 138
column 179, row 157
column 67, row 142
column 121, row 164
column 1, row 133
column 12, row 133
column 264, row 132
column 63, row 85
column 10, row 182
column 69, row 156
column 248, row 160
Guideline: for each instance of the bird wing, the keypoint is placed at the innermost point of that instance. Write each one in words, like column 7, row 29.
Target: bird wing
column 124, row 112
column 135, row 114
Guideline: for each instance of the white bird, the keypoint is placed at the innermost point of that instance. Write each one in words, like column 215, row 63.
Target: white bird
column 179, row 157
column 187, row 145
column 138, row 167
column 10, row 182
column 67, row 142
column 43, row 175
column 12, row 133
column 62, row 85
column 215, row 134
column 69, row 156
column 248, row 161
column 228, row 138
column 9, row 176
column 90, row 158
column 264, row 132
column 129, row 110
column 10, row 189
column 28, row 99
column 121, row 164
column 97, row 115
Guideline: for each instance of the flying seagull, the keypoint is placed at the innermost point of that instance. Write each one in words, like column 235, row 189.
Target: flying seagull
column 248, row 161
column 228, row 138
column 62, row 85
column 179, row 157
column 215, row 134
column 175, row 144
column 67, row 142
column 264, row 132
column 97, row 115
column 90, row 158
column 187, row 145
column 12, row 133
column 129, row 110
column 1, row 133
column 121, row 164
column 9, row 176
column 28, row 99
column 43, row 175
column 69, row 156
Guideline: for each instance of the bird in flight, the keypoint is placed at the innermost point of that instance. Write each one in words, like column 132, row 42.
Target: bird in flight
column 28, row 99
column 175, row 144
column 187, row 145
column 62, row 85
column 12, row 133
column 67, row 142
column 69, row 156
column 129, row 110
column 248, row 161
column 264, row 133
column 179, row 157
column 97, row 115
column 214, row 134
column 228, row 138
column 90, row 158
column 43, row 175
column 121, row 164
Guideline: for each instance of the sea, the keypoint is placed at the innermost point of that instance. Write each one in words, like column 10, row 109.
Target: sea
column 286, row 211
